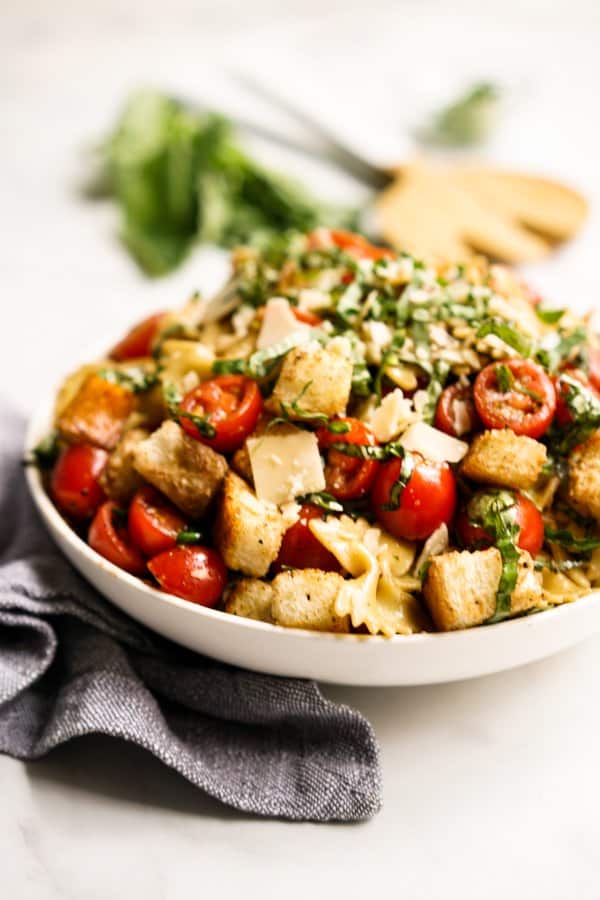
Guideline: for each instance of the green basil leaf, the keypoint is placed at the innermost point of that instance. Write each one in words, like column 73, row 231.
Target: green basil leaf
column 506, row 333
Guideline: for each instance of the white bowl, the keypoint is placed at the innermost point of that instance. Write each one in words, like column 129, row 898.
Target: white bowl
column 342, row 659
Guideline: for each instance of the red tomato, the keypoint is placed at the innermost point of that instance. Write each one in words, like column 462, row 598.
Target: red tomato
column 301, row 550
column 153, row 522
column 526, row 408
column 527, row 517
column 348, row 477
column 563, row 415
column 111, row 540
column 74, row 483
column 231, row 405
column 455, row 413
column 138, row 341
column 197, row 574
column 354, row 244
column 306, row 317
column 427, row 501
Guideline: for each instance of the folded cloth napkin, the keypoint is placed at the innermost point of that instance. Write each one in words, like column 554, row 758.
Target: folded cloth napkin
column 72, row 664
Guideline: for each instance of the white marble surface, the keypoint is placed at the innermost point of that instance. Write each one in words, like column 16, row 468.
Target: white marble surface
column 491, row 787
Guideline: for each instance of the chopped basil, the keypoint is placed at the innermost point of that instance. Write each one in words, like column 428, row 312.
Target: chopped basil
column 261, row 364
column 337, row 426
column 323, row 500
column 506, row 333
column 552, row 358
column 189, row 536
column 173, row 401
column 435, row 387
column 44, row 454
column 558, row 565
column 404, row 475
column 563, row 538
column 494, row 511
column 584, row 408
column 393, row 450
column 549, row 316
column 504, row 377
column 134, row 379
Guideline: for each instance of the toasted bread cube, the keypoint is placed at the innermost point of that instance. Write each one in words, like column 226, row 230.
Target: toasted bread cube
column 250, row 598
column 460, row 587
column 186, row 471
column 584, row 477
column 318, row 378
column 248, row 532
column 97, row 413
column 506, row 459
column 119, row 479
column 305, row 598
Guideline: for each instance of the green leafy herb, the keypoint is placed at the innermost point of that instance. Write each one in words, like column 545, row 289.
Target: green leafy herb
column 173, row 401
column 563, row 538
column 435, row 387
column 552, row 358
column 549, row 316
column 584, row 407
column 179, row 177
column 564, row 565
column 392, row 450
column 189, row 536
column 466, row 121
column 506, row 333
column 406, row 470
column 504, row 377
column 44, row 454
column 136, row 380
column 323, row 500
column 494, row 511
column 260, row 365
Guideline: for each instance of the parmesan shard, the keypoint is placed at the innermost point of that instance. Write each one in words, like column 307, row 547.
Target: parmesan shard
column 433, row 444
column 280, row 323
column 285, row 464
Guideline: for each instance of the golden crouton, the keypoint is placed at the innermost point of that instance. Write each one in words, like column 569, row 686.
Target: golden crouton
column 584, row 477
column 317, row 378
column 97, row 413
column 250, row 598
column 119, row 479
column 189, row 473
column 305, row 598
column 460, row 587
column 505, row 459
column 248, row 531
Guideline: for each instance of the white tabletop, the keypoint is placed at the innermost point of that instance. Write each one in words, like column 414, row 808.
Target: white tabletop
column 490, row 786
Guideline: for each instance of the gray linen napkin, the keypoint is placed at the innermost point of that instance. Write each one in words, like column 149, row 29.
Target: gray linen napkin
column 72, row 664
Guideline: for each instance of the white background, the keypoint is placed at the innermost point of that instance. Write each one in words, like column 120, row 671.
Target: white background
column 490, row 787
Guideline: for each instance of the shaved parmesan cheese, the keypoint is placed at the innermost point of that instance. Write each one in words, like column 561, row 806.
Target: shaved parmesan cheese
column 286, row 464
column 433, row 444
column 377, row 336
column 436, row 543
column 393, row 415
column 279, row 323
column 310, row 299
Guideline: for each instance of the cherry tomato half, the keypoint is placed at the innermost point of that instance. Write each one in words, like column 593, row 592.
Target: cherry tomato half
column 111, row 540
column 455, row 413
column 526, row 407
column 354, row 244
column 74, row 482
column 138, row 342
column 197, row 574
column 153, row 522
column 301, row 550
column 348, row 477
column 306, row 317
column 594, row 374
column 427, row 501
column 527, row 517
column 231, row 405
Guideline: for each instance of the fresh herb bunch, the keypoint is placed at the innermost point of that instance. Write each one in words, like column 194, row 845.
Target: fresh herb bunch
column 179, row 178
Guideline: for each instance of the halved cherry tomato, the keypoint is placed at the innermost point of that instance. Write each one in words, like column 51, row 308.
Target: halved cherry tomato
column 301, row 550
column 111, row 540
column 74, row 482
column 230, row 404
column 348, row 477
column 306, row 317
column 594, row 373
column 153, row 522
column 427, row 501
column 527, row 407
column 197, row 574
column 563, row 415
column 455, row 413
column 527, row 517
column 354, row 244
column 138, row 341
